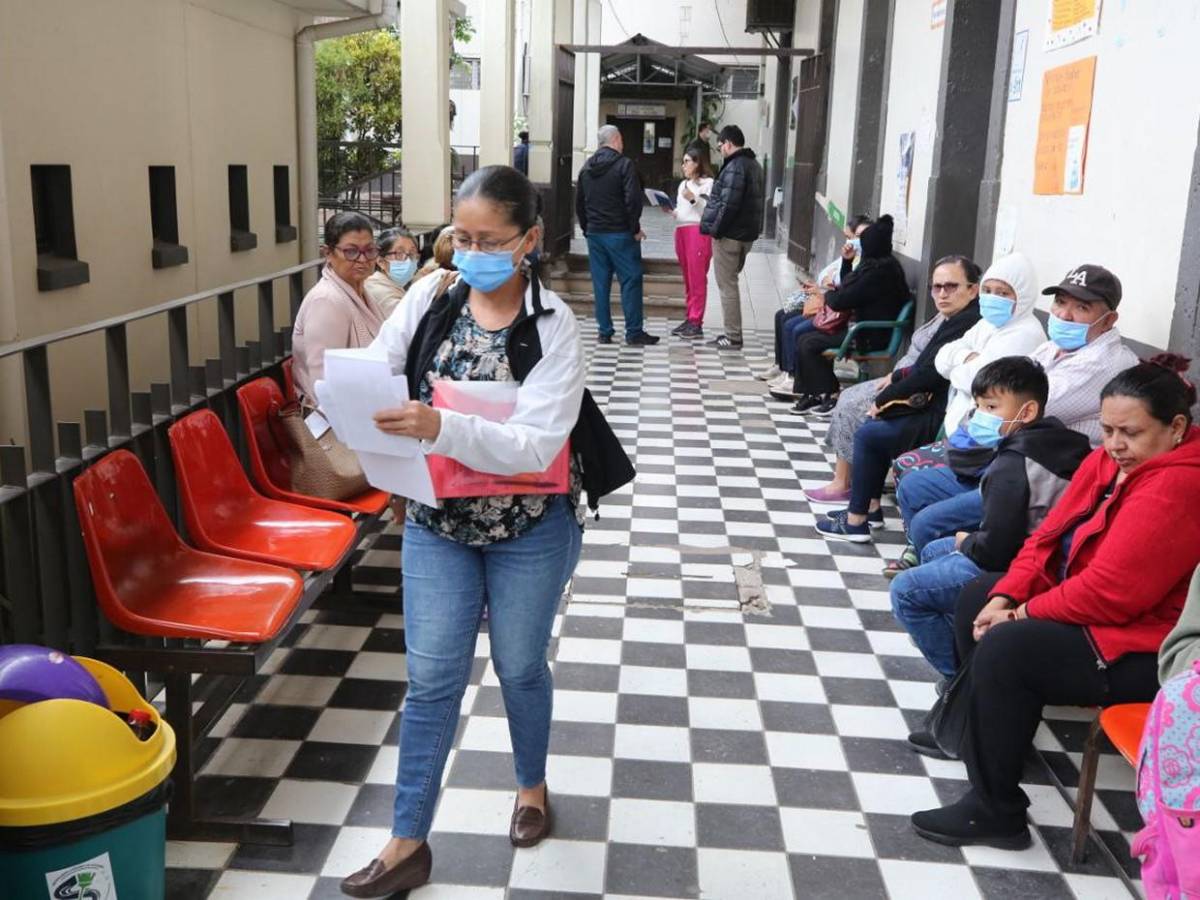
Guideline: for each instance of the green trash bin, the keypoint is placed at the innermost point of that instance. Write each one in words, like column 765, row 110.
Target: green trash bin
column 82, row 798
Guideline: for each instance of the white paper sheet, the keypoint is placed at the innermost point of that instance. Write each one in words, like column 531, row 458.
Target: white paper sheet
column 359, row 384
column 407, row 476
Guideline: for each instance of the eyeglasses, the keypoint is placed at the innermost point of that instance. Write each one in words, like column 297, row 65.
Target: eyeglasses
column 398, row 255
column 948, row 287
column 354, row 254
column 464, row 242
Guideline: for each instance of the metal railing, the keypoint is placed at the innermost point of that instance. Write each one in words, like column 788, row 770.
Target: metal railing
column 46, row 594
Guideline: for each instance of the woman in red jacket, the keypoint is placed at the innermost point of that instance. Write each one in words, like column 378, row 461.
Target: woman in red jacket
column 1079, row 616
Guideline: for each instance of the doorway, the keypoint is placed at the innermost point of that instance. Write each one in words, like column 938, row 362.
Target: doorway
column 650, row 143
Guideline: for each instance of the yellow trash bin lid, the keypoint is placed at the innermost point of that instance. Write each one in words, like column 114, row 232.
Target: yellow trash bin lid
column 69, row 759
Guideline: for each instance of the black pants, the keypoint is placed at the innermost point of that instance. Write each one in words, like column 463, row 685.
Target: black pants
column 1018, row 668
column 814, row 373
column 781, row 318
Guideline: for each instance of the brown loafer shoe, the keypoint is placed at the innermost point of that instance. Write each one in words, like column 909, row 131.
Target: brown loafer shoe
column 375, row 881
column 529, row 824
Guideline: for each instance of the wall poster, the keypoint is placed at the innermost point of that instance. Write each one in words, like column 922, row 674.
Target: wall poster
column 903, row 187
column 937, row 14
column 1063, row 128
column 1016, row 69
column 1071, row 21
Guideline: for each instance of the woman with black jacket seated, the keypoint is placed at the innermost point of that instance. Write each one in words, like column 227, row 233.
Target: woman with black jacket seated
column 876, row 291
column 909, row 410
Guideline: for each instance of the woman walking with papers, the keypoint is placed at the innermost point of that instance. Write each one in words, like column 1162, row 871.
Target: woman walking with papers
column 693, row 249
column 514, row 543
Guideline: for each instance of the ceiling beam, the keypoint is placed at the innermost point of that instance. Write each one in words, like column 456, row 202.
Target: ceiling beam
column 662, row 50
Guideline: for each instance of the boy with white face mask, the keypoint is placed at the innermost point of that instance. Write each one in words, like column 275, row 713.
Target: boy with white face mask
column 1027, row 460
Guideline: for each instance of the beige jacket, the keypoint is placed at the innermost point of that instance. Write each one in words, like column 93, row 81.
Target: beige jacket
column 332, row 317
column 1181, row 647
column 385, row 292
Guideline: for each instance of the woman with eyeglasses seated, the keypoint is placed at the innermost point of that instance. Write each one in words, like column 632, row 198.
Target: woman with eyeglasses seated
column 397, row 264
column 337, row 313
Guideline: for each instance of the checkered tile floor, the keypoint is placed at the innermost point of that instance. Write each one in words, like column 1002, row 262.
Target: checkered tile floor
column 732, row 701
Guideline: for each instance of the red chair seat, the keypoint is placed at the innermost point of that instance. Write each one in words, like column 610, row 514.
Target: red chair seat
column 266, row 442
column 1124, row 725
column 224, row 513
column 289, row 381
column 148, row 581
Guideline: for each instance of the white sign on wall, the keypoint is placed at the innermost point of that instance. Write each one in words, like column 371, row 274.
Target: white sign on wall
column 1016, row 76
column 642, row 110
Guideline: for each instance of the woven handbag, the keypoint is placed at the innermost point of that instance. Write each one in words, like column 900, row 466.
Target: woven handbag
column 321, row 467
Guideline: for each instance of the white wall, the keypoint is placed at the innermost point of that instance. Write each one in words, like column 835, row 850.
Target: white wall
column 1139, row 156
column 912, row 106
column 660, row 21
column 465, row 131
column 843, row 104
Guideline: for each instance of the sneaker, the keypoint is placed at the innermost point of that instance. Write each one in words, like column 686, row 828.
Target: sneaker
column 782, row 380
column 922, row 742
column 604, row 339
column 804, row 403
column 826, row 496
column 842, row 530
column 679, row 329
column 691, row 330
column 969, row 822
column 641, row 339
column 785, row 393
column 724, row 342
column 874, row 517
column 824, row 409
column 770, row 375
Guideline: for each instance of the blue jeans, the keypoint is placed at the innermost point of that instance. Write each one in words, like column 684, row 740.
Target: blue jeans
column 446, row 585
column 620, row 253
column 934, row 503
column 792, row 330
column 923, row 600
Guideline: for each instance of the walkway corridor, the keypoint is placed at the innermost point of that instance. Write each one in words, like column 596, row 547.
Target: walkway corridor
column 732, row 700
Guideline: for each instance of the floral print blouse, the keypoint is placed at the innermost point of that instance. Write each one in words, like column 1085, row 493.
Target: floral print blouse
column 472, row 353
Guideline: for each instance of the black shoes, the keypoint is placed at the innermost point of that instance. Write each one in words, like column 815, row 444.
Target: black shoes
column 824, row 409
column 690, row 330
column 967, row 822
column 641, row 339
column 724, row 342
column 922, row 742
column 805, row 403
column 604, row 339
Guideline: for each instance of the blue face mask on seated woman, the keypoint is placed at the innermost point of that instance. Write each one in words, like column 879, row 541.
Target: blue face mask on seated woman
column 401, row 271
column 996, row 310
column 485, row 271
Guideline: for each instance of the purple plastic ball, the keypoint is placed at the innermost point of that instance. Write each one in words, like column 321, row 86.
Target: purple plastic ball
column 29, row 674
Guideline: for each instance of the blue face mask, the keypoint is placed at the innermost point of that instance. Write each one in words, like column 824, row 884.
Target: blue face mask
column 856, row 243
column 484, row 271
column 985, row 427
column 995, row 309
column 1069, row 335
column 401, row 271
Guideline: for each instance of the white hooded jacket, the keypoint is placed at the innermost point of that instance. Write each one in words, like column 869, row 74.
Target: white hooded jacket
column 1019, row 336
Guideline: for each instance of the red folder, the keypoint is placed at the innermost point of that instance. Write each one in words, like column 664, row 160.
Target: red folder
column 494, row 401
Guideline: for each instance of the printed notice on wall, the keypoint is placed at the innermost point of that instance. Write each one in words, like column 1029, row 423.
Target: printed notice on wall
column 1071, row 21
column 937, row 14
column 1016, row 71
column 903, row 187
column 1061, row 154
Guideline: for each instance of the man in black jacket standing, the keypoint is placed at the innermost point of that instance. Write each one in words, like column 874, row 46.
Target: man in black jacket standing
column 608, row 203
column 733, row 218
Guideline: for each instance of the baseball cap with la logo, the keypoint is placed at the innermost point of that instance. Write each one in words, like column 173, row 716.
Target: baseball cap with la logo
column 1090, row 283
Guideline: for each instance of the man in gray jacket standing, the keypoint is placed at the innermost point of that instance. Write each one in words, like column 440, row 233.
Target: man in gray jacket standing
column 733, row 218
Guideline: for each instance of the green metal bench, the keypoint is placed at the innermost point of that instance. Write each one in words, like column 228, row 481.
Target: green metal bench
column 898, row 327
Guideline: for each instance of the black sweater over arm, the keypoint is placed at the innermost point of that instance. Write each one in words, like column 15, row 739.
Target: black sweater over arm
column 922, row 376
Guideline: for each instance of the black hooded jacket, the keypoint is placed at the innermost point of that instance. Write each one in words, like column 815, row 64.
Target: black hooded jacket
column 1030, row 471
column 877, row 290
column 922, row 376
column 735, row 207
column 609, row 197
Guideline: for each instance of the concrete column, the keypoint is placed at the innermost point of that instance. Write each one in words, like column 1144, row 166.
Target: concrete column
column 871, row 110
column 550, row 26
column 588, row 92
column 960, row 148
column 12, row 397
column 425, row 73
column 583, row 62
column 989, row 186
column 779, row 133
column 1185, row 322
column 496, row 29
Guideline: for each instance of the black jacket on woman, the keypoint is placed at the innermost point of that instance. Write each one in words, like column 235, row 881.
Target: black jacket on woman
column 922, row 376
column 877, row 290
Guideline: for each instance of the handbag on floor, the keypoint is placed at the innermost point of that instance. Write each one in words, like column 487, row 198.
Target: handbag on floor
column 947, row 721
column 320, row 466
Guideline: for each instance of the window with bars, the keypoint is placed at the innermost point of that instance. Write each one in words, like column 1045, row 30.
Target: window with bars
column 741, row 83
column 465, row 75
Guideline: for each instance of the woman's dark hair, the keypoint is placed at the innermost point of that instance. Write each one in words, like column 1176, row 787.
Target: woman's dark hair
column 856, row 222
column 387, row 239
column 1020, row 376
column 343, row 223
column 1160, row 383
column 968, row 265
column 508, row 189
column 700, row 158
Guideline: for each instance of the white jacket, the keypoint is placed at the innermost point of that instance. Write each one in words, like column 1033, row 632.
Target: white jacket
column 548, row 401
column 1019, row 336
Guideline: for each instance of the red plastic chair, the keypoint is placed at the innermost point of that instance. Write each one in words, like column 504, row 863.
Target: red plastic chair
column 148, row 581
column 225, row 514
column 259, row 403
column 1123, row 724
column 289, row 382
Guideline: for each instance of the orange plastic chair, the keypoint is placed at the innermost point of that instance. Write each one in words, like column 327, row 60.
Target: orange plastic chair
column 224, row 514
column 148, row 581
column 259, row 402
column 289, row 382
column 1123, row 724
